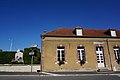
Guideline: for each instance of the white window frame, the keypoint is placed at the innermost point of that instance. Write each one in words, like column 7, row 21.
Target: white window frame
column 80, row 54
column 79, row 32
column 100, row 56
column 116, row 50
column 61, row 57
column 113, row 33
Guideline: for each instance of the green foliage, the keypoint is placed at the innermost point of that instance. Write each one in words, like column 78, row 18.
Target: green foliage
column 6, row 57
column 27, row 57
column 0, row 50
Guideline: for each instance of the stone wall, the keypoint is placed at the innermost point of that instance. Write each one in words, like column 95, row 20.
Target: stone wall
column 19, row 68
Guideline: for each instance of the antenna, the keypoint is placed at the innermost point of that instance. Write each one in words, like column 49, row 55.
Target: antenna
column 11, row 43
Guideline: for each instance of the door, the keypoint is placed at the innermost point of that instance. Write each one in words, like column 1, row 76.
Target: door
column 100, row 56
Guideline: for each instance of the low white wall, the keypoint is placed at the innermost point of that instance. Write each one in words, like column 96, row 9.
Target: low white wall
column 19, row 68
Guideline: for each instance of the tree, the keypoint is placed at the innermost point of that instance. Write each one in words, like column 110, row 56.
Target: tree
column 27, row 57
column 0, row 50
column 6, row 57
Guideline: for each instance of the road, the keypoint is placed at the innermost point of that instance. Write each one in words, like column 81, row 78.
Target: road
column 96, row 77
column 53, row 76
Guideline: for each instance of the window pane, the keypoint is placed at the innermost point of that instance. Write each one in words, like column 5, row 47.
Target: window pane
column 117, row 52
column 63, row 56
column 98, row 57
column 58, row 58
column 96, row 48
column 58, row 53
column 61, row 53
column 98, row 61
column 113, row 33
column 119, row 56
column 81, row 53
column 101, row 48
column 80, row 47
column 63, row 59
column 60, row 47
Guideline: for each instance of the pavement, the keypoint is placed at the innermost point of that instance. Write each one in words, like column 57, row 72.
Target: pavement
column 57, row 73
column 63, row 77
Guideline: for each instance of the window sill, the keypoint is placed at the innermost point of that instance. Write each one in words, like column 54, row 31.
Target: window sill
column 79, row 62
column 57, row 62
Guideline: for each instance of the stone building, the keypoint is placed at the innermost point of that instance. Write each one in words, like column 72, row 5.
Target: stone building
column 79, row 49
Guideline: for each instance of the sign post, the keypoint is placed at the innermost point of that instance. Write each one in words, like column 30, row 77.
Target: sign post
column 32, row 63
column 32, row 55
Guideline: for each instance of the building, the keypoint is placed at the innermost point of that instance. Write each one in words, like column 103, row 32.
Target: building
column 80, row 49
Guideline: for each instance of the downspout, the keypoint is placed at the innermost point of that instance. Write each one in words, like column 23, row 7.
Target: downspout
column 111, row 66
column 41, row 57
column 41, row 65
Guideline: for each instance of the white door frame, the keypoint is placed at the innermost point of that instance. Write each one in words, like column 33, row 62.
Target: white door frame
column 100, row 56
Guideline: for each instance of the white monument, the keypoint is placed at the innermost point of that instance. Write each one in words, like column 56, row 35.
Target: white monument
column 19, row 56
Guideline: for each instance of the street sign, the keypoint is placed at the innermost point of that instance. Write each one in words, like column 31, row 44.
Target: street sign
column 32, row 53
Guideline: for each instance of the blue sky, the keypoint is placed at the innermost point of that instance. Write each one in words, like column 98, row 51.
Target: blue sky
column 24, row 20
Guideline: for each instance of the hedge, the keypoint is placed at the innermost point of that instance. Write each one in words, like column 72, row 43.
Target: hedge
column 6, row 57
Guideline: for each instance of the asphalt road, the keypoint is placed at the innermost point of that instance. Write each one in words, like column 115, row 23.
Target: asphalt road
column 96, row 77
column 60, row 76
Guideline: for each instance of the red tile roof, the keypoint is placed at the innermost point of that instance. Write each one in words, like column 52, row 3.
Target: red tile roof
column 86, row 32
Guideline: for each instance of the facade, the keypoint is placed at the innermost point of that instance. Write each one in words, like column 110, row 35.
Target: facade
column 80, row 49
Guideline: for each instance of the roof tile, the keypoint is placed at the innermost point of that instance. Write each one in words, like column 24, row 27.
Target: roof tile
column 86, row 32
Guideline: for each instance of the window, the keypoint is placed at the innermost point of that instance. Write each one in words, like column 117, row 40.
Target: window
column 117, row 52
column 100, row 55
column 81, row 53
column 113, row 33
column 99, row 48
column 79, row 32
column 60, row 54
